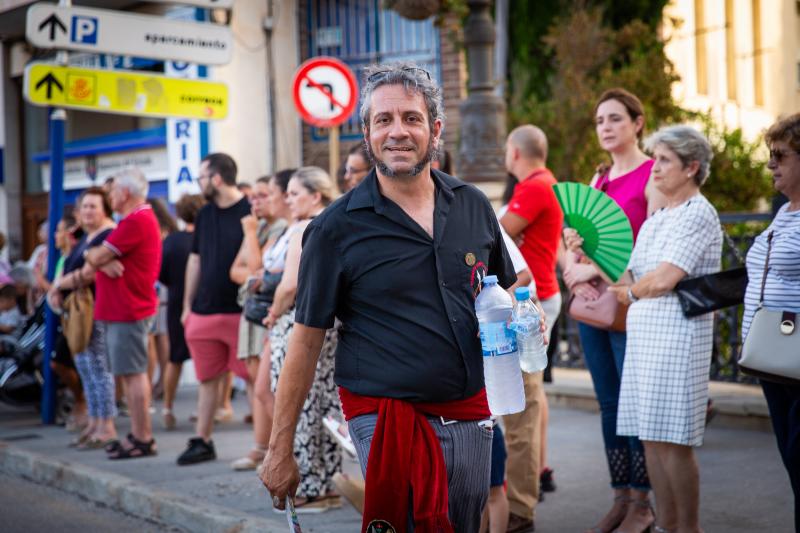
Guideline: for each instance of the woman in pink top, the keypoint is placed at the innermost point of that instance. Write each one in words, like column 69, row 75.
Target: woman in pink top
column 619, row 119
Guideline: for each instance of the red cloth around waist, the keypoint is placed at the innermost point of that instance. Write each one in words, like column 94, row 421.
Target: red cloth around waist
column 406, row 457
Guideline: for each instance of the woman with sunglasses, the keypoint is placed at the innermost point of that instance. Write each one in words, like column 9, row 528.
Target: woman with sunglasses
column 619, row 124
column 781, row 287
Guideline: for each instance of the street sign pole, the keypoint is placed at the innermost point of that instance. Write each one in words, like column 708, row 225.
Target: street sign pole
column 333, row 147
column 58, row 118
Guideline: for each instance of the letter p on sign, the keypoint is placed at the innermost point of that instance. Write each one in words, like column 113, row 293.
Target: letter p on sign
column 84, row 30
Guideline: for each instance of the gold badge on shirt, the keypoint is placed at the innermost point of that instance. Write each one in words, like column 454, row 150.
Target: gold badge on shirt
column 470, row 259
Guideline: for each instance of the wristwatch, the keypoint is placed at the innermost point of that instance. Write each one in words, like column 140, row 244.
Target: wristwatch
column 631, row 297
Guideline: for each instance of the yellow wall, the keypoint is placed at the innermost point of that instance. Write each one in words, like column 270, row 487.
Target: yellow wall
column 766, row 77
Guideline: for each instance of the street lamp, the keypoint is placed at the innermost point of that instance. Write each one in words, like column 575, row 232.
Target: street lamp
column 481, row 155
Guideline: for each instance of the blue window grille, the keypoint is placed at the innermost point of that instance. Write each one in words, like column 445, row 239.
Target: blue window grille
column 360, row 33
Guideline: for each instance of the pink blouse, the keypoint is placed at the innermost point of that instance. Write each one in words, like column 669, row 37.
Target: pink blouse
column 628, row 191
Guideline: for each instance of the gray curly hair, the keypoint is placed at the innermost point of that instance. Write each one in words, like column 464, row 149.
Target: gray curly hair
column 688, row 144
column 407, row 74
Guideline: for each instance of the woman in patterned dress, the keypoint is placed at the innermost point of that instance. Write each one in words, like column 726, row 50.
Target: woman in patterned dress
column 664, row 386
column 781, row 287
column 318, row 456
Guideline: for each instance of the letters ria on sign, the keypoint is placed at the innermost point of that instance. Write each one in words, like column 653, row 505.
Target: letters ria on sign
column 113, row 32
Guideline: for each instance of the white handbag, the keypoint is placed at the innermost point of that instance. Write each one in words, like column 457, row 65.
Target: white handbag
column 771, row 350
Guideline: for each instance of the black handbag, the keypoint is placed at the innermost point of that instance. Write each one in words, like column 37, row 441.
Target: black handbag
column 711, row 292
column 256, row 305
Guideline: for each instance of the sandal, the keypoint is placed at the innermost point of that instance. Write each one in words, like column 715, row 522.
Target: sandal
column 139, row 449
column 79, row 441
column 625, row 500
column 646, row 506
column 112, row 446
column 95, row 443
column 249, row 461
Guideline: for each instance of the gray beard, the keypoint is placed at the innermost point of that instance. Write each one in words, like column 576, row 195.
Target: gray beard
column 384, row 169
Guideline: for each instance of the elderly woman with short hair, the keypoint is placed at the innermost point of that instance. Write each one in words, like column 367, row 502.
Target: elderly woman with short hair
column 664, row 386
column 781, row 286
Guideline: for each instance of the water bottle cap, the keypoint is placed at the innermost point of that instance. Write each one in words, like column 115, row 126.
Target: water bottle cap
column 488, row 280
column 522, row 293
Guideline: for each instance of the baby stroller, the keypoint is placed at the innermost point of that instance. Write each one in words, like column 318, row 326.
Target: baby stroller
column 21, row 377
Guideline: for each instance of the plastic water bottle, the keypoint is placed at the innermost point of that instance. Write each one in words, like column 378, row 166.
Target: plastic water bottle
column 501, row 369
column 525, row 322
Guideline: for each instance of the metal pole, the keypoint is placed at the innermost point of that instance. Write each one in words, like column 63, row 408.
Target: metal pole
column 56, row 209
column 481, row 155
column 333, row 151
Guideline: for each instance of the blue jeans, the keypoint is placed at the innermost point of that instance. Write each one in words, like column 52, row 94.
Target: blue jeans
column 604, row 352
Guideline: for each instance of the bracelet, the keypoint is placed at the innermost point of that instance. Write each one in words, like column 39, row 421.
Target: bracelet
column 631, row 297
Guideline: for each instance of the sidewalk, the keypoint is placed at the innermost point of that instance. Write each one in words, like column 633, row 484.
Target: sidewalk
column 738, row 406
column 210, row 497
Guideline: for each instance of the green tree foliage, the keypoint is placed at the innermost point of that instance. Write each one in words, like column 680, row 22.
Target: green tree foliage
column 738, row 178
column 587, row 56
column 590, row 57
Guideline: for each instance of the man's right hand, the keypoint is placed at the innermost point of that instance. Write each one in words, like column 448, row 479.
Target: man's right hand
column 280, row 475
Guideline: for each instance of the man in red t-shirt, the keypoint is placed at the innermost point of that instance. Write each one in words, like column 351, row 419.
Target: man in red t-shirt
column 534, row 220
column 127, row 266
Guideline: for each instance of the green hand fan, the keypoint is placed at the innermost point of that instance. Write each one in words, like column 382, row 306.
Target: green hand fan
column 606, row 230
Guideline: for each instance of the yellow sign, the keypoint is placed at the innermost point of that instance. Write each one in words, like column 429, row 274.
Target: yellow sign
column 124, row 92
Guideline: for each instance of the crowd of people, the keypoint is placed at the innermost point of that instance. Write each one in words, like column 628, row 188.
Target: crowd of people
column 361, row 308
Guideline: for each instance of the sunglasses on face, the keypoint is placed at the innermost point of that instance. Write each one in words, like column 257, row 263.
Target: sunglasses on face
column 376, row 75
column 778, row 155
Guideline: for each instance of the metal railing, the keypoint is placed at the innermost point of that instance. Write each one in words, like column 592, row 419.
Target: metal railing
column 742, row 228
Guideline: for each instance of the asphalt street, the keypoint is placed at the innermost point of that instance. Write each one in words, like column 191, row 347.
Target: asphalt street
column 744, row 487
column 26, row 507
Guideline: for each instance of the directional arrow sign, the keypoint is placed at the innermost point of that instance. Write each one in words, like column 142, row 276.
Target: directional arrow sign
column 124, row 92
column 113, row 32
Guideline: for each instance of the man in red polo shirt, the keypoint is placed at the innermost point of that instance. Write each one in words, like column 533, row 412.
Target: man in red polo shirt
column 534, row 220
column 126, row 302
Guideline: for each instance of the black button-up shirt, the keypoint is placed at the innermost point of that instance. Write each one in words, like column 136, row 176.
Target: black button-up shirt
column 406, row 301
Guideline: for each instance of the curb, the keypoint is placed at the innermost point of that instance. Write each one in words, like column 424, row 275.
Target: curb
column 125, row 495
column 736, row 406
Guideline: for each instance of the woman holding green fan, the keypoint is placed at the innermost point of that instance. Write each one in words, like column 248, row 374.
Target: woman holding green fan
column 619, row 119
column 664, row 386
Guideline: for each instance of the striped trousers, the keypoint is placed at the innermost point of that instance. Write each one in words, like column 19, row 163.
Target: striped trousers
column 467, row 449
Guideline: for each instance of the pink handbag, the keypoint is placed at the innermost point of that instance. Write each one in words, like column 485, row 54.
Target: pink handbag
column 605, row 312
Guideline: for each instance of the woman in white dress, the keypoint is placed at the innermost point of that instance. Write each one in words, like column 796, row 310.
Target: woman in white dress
column 664, row 386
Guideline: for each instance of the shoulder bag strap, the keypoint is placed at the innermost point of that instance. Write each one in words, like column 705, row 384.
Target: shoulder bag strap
column 766, row 269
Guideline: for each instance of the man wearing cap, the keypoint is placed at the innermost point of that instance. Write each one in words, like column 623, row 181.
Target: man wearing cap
column 399, row 260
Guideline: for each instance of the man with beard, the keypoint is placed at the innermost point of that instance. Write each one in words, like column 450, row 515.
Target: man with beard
column 210, row 311
column 398, row 260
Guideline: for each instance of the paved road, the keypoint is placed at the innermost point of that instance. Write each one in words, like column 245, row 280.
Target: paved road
column 744, row 487
column 31, row 508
